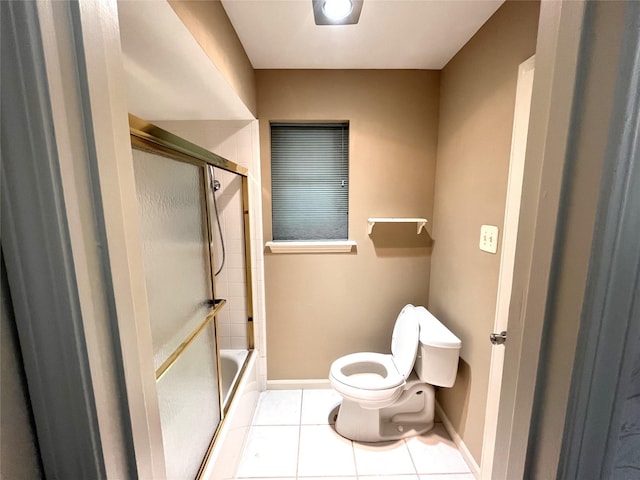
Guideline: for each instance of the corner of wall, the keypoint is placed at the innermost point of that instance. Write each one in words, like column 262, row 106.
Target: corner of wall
column 210, row 26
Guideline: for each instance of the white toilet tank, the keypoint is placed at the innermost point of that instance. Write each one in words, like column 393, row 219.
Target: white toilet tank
column 438, row 351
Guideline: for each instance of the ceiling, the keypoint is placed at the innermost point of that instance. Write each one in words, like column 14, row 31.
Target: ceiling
column 413, row 34
column 169, row 77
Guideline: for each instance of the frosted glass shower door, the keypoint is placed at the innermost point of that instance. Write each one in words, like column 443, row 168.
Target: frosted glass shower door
column 173, row 216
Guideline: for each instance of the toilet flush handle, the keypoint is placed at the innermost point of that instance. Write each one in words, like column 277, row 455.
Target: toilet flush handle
column 498, row 338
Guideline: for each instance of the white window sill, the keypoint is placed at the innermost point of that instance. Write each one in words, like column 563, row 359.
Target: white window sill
column 329, row 246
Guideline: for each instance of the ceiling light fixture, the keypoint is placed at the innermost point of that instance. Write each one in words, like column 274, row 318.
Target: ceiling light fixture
column 336, row 12
column 337, row 9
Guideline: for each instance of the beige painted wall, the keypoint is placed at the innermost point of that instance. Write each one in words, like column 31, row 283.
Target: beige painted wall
column 476, row 115
column 212, row 29
column 322, row 306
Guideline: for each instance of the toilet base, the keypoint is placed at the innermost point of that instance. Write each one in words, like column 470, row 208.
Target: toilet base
column 412, row 414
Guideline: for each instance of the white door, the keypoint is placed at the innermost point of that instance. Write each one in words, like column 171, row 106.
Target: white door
column 507, row 260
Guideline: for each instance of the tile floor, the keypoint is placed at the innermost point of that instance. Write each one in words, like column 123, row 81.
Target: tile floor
column 292, row 438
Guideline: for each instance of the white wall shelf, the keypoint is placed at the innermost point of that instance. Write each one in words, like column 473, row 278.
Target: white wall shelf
column 420, row 222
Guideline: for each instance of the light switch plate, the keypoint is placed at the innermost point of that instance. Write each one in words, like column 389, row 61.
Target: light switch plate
column 489, row 238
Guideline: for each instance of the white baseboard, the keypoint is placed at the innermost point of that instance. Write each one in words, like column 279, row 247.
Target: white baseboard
column 298, row 384
column 462, row 447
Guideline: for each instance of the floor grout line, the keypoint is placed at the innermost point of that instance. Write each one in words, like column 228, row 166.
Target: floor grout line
column 298, row 452
column 355, row 462
column 413, row 462
column 299, row 434
column 357, row 475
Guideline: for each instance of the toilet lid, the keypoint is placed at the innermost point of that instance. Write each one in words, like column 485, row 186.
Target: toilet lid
column 404, row 341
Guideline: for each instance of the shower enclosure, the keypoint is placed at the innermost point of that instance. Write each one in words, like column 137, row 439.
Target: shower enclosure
column 194, row 221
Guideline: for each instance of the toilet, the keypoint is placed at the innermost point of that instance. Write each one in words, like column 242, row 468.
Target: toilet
column 392, row 396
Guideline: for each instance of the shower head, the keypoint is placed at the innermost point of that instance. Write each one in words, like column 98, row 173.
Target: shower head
column 215, row 184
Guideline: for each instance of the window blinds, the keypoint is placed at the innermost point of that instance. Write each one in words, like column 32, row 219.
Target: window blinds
column 310, row 181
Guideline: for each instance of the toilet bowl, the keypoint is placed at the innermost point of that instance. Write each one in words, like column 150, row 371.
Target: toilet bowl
column 391, row 396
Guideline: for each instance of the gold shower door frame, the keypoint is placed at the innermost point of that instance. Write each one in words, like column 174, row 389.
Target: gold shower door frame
column 152, row 139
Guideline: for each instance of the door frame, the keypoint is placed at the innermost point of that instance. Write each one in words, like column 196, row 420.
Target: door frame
column 75, row 268
column 609, row 325
column 524, row 90
column 557, row 53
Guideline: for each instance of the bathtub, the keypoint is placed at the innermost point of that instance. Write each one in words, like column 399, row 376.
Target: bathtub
column 224, row 458
column 231, row 362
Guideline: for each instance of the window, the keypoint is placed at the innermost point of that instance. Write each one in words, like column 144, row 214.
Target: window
column 310, row 181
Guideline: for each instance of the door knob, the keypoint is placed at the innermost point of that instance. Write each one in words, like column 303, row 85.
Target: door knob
column 498, row 338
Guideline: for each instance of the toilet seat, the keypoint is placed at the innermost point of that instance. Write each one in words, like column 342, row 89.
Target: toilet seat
column 370, row 379
column 375, row 379
column 367, row 370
